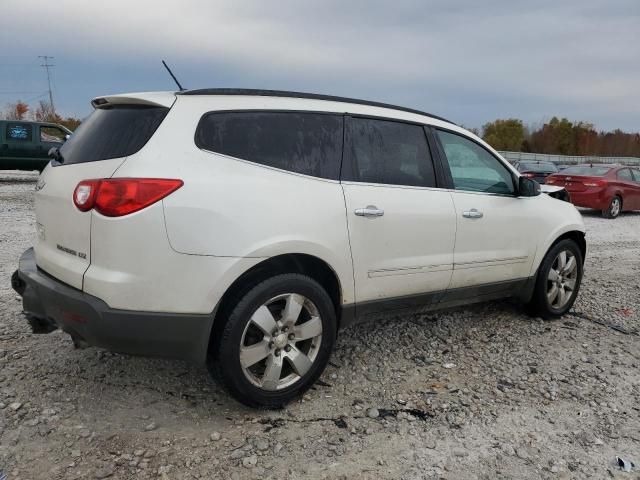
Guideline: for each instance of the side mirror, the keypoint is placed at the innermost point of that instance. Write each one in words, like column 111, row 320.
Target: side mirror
column 528, row 187
column 67, row 137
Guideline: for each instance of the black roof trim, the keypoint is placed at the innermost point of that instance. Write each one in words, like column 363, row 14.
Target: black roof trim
column 310, row 96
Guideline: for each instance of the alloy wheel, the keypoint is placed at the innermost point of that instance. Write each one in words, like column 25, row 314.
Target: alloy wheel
column 615, row 207
column 562, row 278
column 281, row 341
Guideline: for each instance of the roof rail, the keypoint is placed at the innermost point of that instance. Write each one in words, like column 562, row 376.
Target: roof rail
column 310, row 96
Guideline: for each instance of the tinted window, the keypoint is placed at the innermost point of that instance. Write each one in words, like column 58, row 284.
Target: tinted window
column 586, row 170
column 473, row 168
column 388, row 152
column 636, row 175
column 625, row 174
column 112, row 132
column 308, row 143
column 19, row 132
column 537, row 167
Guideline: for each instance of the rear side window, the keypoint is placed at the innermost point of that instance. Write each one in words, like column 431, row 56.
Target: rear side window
column 625, row 174
column 19, row 132
column 112, row 132
column 300, row 142
column 388, row 152
column 52, row 134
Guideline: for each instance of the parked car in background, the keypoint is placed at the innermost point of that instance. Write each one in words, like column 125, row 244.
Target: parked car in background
column 243, row 228
column 537, row 171
column 610, row 188
column 25, row 145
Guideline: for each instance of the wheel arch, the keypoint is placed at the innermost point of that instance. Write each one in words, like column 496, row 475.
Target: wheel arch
column 305, row 264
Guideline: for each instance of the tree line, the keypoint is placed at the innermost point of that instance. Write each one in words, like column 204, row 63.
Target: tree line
column 44, row 112
column 560, row 137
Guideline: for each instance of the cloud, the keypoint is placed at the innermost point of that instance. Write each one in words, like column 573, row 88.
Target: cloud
column 474, row 61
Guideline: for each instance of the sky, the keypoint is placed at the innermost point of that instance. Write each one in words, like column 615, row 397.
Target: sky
column 469, row 61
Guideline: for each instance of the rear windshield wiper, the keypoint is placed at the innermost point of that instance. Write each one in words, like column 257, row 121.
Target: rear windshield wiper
column 54, row 153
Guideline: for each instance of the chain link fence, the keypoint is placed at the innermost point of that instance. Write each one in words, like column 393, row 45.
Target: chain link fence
column 567, row 159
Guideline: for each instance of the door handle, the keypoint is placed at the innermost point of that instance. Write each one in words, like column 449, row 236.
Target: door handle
column 473, row 213
column 369, row 211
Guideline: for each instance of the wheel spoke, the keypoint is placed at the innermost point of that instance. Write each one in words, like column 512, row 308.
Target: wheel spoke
column 562, row 296
column 300, row 362
column 309, row 329
column 570, row 284
column 264, row 320
column 254, row 353
column 562, row 260
column 571, row 266
column 553, row 275
column 272, row 372
column 552, row 294
column 292, row 309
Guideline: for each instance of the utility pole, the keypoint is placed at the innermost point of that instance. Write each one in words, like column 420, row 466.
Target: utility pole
column 46, row 65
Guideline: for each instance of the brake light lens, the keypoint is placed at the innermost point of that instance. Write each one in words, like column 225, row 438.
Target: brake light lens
column 115, row 197
column 528, row 174
column 551, row 180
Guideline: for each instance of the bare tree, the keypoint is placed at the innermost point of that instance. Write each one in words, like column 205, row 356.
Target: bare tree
column 16, row 111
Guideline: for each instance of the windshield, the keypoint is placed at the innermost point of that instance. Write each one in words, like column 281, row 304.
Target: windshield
column 538, row 167
column 112, row 132
column 587, row 170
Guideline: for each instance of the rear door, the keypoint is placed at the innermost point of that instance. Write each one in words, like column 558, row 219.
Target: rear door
column 628, row 187
column 496, row 238
column 401, row 226
column 636, row 187
column 97, row 148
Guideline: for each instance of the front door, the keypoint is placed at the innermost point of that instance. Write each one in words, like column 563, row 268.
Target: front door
column 401, row 227
column 495, row 240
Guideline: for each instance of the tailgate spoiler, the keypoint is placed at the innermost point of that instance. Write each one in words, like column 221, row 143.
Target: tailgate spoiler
column 155, row 99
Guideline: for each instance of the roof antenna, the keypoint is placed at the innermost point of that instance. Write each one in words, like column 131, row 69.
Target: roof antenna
column 173, row 76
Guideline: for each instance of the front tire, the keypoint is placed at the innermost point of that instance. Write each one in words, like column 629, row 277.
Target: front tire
column 276, row 341
column 558, row 281
column 614, row 209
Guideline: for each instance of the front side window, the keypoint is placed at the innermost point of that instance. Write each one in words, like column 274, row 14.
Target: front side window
column 307, row 143
column 625, row 175
column 52, row 134
column 19, row 132
column 388, row 152
column 473, row 168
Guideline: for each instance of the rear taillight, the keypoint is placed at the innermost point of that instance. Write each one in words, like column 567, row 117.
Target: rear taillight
column 551, row 180
column 114, row 197
column 85, row 194
column 528, row 174
column 594, row 183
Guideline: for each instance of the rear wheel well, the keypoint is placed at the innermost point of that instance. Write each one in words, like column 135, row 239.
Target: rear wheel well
column 304, row 264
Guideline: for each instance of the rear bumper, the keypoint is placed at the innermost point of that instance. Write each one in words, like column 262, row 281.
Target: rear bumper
column 49, row 304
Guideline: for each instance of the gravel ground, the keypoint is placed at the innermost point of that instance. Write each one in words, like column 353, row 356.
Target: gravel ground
column 482, row 392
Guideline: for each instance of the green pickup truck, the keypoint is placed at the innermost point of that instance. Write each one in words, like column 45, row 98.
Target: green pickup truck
column 25, row 145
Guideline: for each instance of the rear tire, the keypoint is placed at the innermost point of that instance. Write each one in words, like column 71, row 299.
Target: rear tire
column 614, row 209
column 276, row 341
column 558, row 281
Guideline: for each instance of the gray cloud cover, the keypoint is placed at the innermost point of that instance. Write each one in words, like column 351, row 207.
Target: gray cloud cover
column 467, row 60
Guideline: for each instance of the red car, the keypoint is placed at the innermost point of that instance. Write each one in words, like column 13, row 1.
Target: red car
column 610, row 188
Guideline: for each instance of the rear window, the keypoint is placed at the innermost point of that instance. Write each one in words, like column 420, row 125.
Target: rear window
column 307, row 143
column 538, row 167
column 112, row 132
column 587, row 170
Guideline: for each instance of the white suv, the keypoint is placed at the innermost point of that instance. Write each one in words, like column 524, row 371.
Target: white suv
column 245, row 227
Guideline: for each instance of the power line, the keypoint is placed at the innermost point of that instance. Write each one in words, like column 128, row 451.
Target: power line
column 46, row 65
